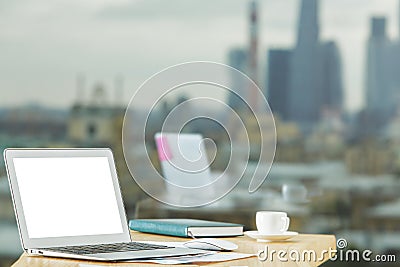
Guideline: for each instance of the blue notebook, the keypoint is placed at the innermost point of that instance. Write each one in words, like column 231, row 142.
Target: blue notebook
column 186, row 227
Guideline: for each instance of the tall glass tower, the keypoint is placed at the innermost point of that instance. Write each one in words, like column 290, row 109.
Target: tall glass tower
column 304, row 94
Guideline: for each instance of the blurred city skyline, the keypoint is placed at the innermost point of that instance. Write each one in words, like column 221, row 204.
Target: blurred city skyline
column 109, row 39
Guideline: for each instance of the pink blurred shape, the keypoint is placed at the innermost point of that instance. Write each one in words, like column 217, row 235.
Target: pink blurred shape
column 164, row 151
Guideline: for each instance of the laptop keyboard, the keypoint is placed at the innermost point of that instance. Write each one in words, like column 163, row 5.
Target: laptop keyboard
column 105, row 248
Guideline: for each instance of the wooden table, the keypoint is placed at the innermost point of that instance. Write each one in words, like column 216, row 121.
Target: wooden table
column 300, row 243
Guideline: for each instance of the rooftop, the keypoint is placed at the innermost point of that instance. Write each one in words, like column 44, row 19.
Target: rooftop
column 386, row 210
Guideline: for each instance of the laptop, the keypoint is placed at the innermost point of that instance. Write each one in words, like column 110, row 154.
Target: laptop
column 68, row 204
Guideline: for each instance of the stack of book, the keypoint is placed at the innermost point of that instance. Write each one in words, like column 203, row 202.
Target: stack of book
column 186, row 227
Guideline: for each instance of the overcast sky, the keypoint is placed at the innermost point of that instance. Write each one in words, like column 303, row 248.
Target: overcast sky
column 44, row 44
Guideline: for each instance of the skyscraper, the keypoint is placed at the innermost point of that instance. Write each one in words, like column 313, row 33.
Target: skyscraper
column 382, row 79
column 278, row 82
column 238, row 59
column 308, row 24
column 315, row 73
column 331, row 76
column 305, row 95
column 380, row 86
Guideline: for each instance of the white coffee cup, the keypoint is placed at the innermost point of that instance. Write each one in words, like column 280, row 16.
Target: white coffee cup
column 272, row 222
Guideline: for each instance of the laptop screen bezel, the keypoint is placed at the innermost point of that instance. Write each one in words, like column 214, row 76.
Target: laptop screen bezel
column 27, row 242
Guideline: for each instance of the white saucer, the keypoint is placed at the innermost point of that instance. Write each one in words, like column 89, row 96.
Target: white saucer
column 270, row 237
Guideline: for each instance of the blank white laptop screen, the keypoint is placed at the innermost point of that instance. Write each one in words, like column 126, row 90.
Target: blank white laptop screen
column 67, row 196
